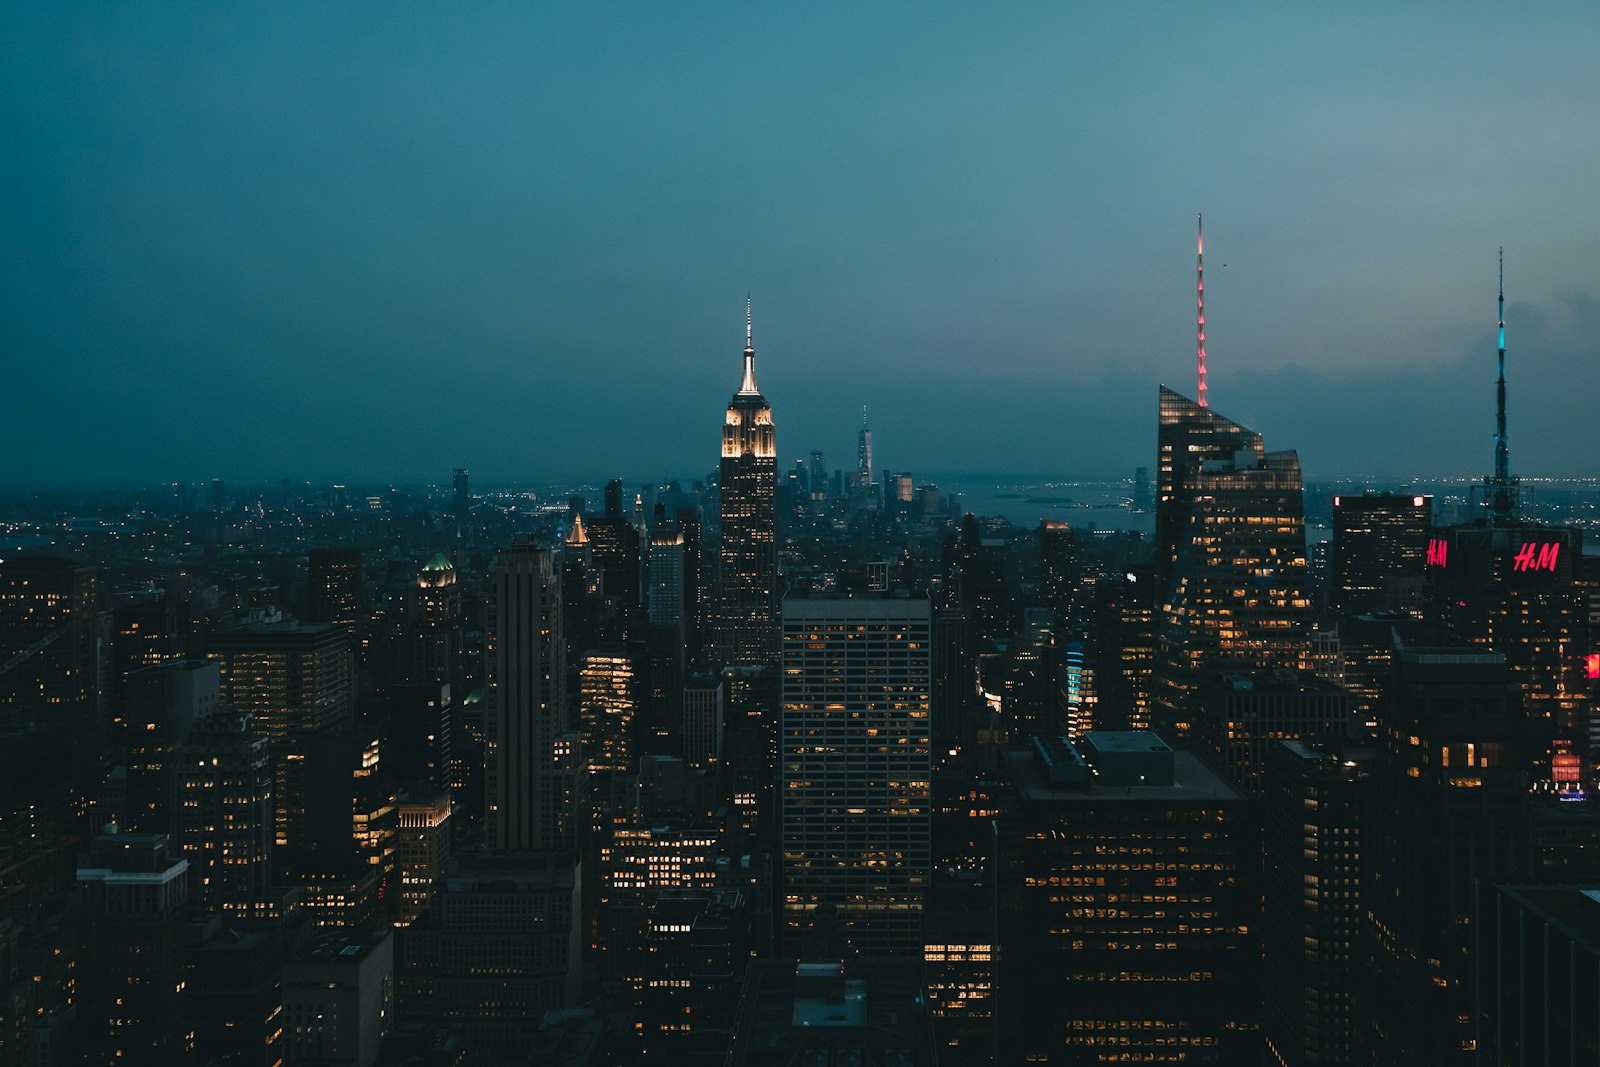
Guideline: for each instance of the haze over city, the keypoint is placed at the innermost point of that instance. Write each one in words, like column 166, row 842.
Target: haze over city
column 304, row 241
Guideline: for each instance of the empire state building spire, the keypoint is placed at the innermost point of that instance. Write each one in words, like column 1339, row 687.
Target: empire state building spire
column 748, row 386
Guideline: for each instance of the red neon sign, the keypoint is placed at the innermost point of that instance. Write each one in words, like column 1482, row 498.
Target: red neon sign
column 1565, row 768
column 1437, row 549
column 1536, row 557
column 1592, row 665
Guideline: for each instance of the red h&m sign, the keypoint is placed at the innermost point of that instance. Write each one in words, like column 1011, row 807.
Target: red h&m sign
column 1534, row 556
column 1438, row 547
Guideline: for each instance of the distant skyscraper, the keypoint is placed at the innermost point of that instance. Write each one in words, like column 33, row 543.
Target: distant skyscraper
column 1380, row 541
column 435, row 626
column 525, row 789
column 463, row 501
column 335, row 587
column 614, row 545
column 1230, row 527
column 163, row 704
column 748, row 619
column 856, row 767
column 49, row 651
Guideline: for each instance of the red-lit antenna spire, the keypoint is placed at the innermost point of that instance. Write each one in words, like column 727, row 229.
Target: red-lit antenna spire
column 1200, row 303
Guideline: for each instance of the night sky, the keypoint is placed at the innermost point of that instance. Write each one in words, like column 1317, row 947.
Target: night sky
column 374, row 242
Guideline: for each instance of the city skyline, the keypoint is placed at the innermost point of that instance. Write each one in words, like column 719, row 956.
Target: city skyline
column 954, row 221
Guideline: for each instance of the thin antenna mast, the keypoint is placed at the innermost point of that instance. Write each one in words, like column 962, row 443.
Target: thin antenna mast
column 1502, row 496
column 1200, row 303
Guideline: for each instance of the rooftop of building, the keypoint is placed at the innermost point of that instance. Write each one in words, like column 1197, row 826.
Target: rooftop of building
column 1572, row 909
column 1279, row 680
column 833, row 1013
column 1193, row 783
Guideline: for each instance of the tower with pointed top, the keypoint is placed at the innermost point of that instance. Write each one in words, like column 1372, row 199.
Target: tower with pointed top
column 747, row 626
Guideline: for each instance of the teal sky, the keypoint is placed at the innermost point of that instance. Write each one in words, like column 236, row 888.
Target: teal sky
column 374, row 242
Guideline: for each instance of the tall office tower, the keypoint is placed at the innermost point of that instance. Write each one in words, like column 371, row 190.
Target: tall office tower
column 130, row 1007
column 1028, row 686
column 1240, row 715
column 1124, row 647
column 984, row 594
column 1128, row 906
column 163, row 704
column 1061, row 570
column 295, row 684
column 1453, row 757
column 955, row 675
column 667, row 576
column 334, row 587
column 819, row 476
column 50, row 652
column 1316, row 806
column 856, row 800
column 1188, row 437
column 528, row 702
column 608, row 703
column 436, row 627
column 463, row 502
column 223, row 822
column 694, row 587
column 615, row 546
column 661, row 725
column 145, row 632
column 1238, row 592
column 747, row 619
column 1380, row 541
column 702, row 720
column 423, row 850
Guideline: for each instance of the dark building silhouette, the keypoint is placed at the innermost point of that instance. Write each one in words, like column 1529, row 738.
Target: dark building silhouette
column 1128, row 901
column 1123, row 649
column 1543, row 978
column 525, row 786
column 335, row 587
column 1380, row 541
column 49, row 652
column 1451, row 782
column 223, row 822
column 1317, row 810
column 163, row 704
column 1242, row 715
column 136, row 903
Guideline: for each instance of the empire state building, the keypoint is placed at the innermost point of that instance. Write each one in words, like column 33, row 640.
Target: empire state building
column 748, row 618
